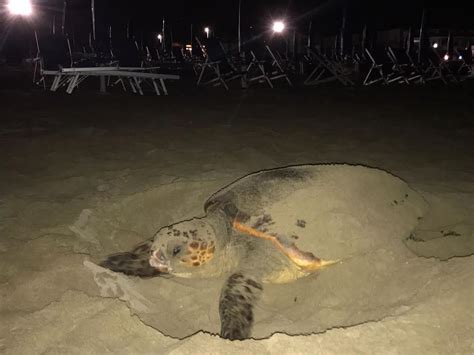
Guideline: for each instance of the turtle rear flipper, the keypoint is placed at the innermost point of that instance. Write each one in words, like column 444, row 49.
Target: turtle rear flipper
column 133, row 263
column 238, row 297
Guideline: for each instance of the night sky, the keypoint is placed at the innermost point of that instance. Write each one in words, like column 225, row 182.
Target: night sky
column 222, row 15
column 145, row 16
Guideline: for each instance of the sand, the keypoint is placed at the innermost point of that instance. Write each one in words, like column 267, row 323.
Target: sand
column 83, row 176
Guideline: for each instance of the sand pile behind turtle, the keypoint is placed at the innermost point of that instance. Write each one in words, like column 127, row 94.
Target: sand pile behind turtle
column 358, row 215
column 334, row 211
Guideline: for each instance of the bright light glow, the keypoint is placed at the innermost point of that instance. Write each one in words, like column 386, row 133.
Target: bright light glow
column 20, row 7
column 278, row 26
column 435, row 45
column 206, row 29
column 446, row 57
column 460, row 57
column 160, row 37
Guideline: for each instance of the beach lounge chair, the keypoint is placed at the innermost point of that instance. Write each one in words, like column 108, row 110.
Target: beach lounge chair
column 439, row 67
column 258, row 67
column 217, row 68
column 274, row 67
column 376, row 72
column 402, row 66
column 465, row 68
column 381, row 69
column 263, row 66
column 326, row 70
column 198, row 57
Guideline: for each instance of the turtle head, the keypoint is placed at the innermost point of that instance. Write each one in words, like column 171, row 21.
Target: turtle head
column 180, row 249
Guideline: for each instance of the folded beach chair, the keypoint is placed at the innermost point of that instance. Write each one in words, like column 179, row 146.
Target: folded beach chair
column 177, row 58
column 376, row 72
column 418, row 67
column 432, row 69
column 102, row 54
column 198, row 58
column 258, row 66
column 326, row 70
column 439, row 68
column 152, row 57
column 217, row 69
column 158, row 58
column 263, row 66
column 402, row 66
column 381, row 69
column 278, row 67
column 465, row 69
column 177, row 54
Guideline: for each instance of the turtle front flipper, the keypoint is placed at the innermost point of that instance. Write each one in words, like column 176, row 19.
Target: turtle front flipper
column 238, row 297
column 133, row 263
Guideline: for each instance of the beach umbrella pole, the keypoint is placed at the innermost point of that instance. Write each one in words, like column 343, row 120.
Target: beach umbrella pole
column 63, row 22
column 422, row 35
column 342, row 32
column 239, row 39
column 93, row 19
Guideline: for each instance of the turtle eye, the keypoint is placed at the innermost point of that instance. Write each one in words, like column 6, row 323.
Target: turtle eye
column 176, row 250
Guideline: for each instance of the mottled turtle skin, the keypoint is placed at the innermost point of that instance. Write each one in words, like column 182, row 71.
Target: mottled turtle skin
column 211, row 246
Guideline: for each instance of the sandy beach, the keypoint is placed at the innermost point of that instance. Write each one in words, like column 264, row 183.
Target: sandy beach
column 86, row 175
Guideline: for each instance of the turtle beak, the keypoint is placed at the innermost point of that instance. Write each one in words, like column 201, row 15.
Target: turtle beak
column 159, row 261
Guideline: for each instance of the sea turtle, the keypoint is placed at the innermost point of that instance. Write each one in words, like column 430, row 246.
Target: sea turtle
column 256, row 230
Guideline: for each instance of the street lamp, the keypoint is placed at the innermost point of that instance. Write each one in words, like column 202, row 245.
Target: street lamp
column 435, row 45
column 160, row 37
column 278, row 26
column 20, row 7
column 207, row 30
